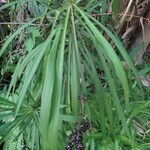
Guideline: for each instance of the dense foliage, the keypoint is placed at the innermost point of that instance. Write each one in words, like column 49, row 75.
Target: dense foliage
column 66, row 79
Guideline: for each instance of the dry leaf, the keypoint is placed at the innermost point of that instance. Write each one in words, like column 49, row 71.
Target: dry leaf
column 145, row 81
column 138, row 127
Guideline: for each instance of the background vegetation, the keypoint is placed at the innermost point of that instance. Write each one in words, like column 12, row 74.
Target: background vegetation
column 68, row 78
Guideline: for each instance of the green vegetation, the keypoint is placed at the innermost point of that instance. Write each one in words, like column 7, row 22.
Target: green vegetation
column 61, row 65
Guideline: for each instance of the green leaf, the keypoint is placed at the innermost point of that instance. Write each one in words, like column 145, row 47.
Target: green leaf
column 29, row 44
column 115, row 7
column 11, row 37
column 34, row 32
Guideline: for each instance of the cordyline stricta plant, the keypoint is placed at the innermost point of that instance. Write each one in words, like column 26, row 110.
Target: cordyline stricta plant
column 65, row 71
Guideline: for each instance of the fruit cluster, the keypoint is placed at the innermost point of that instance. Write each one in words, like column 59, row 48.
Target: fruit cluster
column 76, row 138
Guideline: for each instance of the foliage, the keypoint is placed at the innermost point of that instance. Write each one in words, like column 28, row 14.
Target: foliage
column 63, row 69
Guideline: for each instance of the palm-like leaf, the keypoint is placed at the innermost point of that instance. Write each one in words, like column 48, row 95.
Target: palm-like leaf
column 53, row 75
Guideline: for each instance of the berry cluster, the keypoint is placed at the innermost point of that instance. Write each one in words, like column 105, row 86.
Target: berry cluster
column 76, row 138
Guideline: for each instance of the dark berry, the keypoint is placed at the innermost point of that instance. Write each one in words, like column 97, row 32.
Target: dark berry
column 79, row 146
